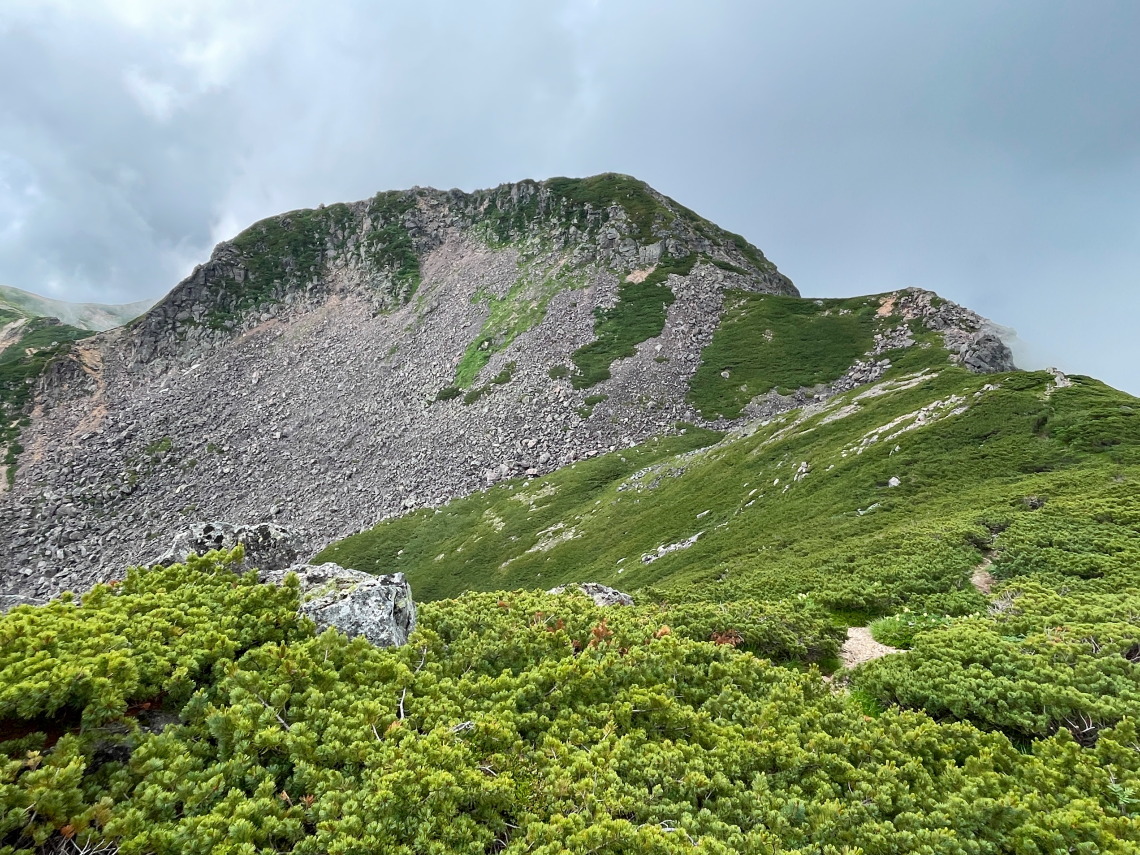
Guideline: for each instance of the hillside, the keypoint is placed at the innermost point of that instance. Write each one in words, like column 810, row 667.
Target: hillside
column 33, row 331
column 500, row 393
column 879, row 498
column 84, row 316
column 27, row 346
column 329, row 368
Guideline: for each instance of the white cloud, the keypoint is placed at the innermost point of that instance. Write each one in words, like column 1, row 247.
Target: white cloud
column 863, row 147
column 158, row 99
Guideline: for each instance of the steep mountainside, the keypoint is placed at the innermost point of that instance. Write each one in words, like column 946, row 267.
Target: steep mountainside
column 328, row 368
column 27, row 346
column 33, row 331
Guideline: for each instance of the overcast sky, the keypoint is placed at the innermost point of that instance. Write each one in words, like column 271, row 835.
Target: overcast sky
column 986, row 150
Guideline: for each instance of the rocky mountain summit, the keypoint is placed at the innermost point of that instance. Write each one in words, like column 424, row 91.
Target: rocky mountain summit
column 327, row 368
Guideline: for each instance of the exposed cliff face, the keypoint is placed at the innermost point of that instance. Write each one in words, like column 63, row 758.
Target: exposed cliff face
column 375, row 251
column 328, row 368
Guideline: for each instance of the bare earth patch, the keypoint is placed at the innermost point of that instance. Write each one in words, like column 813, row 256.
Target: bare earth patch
column 860, row 647
column 982, row 578
column 640, row 275
column 10, row 333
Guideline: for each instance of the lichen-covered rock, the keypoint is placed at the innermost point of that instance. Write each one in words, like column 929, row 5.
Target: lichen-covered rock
column 602, row 595
column 268, row 547
column 380, row 608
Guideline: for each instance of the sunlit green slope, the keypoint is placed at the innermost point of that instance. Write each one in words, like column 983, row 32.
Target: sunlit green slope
column 805, row 503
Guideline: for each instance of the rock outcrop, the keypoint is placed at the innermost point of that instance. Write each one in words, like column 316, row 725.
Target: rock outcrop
column 602, row 595
column 10, row 601
column 971, row 337
column 380, row 608
column 268, row 547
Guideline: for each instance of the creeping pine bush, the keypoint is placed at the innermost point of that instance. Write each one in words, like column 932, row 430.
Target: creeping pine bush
column 156, row 632
column 77, row 671
column 522, row 722
column 1044, row 662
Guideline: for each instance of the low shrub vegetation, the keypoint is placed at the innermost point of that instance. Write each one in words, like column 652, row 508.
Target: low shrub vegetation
column 523, row 722
column 638, row 315
column 189, row 710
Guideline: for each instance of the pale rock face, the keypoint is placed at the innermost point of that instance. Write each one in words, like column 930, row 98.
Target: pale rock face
column 379, row 608
column 600, row 594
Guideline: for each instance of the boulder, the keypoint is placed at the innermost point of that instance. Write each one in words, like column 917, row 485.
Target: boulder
column 268, row 547
column 10, row 601
column 380, row 608
column 986, row 353
column 600, row 594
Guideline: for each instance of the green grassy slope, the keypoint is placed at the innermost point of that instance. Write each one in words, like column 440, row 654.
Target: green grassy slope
column 839, row 532
column 768, row 341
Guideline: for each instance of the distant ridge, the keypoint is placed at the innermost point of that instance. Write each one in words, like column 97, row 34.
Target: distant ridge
column 87, row 316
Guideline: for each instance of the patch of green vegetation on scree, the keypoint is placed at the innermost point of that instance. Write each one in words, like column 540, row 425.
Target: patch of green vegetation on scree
column 467, row 545
column 639, row 315
column 523, row 308
column 18, row 372
column 768, row 341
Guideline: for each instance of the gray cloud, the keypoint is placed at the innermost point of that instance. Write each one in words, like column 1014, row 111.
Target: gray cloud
column 987, row 150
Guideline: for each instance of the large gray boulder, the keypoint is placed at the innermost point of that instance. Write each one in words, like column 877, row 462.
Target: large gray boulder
column 380, row 608
column 600, row 594
column 10, row 601
column 986, row 353
column 268, row 547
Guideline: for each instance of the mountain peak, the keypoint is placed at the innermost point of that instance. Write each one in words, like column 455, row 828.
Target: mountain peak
column 329, row 367
column 376, row 250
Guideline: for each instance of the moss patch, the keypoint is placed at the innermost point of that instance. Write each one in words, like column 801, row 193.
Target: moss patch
column 638, row 316
column 768, row 341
